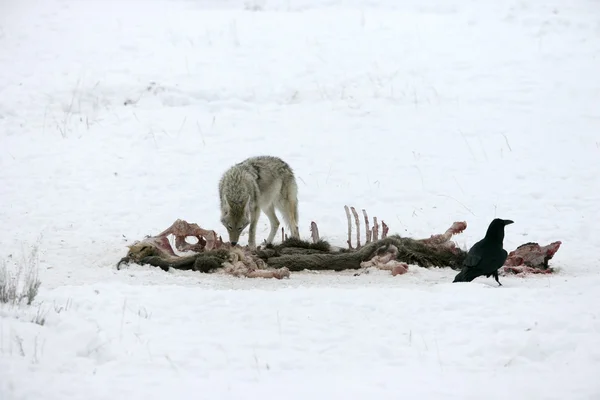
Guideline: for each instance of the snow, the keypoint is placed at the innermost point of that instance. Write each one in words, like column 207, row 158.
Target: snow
column 116, row 118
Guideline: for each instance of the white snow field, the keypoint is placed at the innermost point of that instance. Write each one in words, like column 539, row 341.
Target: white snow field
column 118, row 117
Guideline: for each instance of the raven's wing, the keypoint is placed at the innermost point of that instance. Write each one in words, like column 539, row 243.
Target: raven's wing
column 474, row 255
column 469, row 270
column 472, row 260
column 504, row 256
column 493, row 262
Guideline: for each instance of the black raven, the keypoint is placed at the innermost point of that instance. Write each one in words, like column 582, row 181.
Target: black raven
column 486, row 256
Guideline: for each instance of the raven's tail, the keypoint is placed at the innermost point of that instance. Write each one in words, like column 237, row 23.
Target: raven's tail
column 463, row 276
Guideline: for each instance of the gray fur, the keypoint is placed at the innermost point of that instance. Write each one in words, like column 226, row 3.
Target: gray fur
column 258, row 183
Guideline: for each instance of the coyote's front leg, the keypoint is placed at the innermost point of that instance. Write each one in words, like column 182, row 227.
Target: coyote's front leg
column 254, row 215
column 273, row 221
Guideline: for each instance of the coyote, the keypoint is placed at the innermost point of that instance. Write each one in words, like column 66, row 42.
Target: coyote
column 258, row 183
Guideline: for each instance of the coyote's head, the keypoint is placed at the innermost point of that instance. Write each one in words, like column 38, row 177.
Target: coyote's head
column 235, row 217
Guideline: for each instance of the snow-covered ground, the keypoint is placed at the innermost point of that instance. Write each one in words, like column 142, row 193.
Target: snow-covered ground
column 118, row 117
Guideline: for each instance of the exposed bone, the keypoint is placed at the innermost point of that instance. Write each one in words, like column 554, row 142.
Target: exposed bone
column 399, row 269
column 243, row 263
column 456, row 228
column 182, row 229
column 349, row 241
column 375, row 229
column 367, row 229
column 263, row 273
column 385, row 230
column 444, row 238
column 385, row 259
column 314, row 231
column 162, row 242
column 357, row 221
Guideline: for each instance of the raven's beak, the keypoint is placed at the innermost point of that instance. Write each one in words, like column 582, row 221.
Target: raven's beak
column 508, row 222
